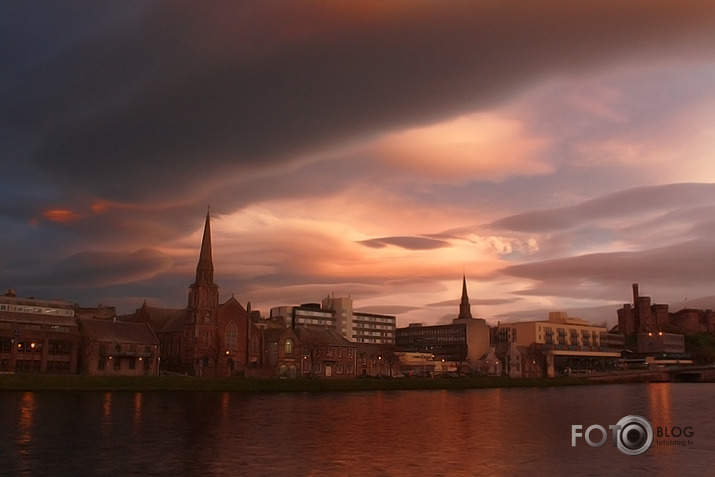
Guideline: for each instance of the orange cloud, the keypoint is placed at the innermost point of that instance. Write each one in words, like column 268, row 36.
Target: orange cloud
column 61, row 215
column 473, row 147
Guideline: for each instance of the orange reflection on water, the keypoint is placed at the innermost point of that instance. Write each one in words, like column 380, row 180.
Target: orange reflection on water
column 25, row 424
column 659, row 401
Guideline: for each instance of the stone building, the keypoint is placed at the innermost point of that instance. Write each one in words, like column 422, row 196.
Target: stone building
column 644, row 317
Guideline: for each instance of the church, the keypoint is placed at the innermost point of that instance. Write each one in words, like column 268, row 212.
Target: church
column 207, row 338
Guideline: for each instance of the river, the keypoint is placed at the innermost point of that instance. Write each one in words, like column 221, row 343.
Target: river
column 521, row 431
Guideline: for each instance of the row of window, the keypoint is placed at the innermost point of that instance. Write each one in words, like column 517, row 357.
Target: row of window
column 36, row 310
column 131, row 363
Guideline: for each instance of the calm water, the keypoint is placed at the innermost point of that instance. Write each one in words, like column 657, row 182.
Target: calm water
column 400, row 433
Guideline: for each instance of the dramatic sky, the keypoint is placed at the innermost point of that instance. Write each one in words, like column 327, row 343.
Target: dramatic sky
column 553, row 151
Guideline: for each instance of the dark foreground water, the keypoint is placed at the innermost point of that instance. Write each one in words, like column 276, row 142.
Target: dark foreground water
column 401, row 433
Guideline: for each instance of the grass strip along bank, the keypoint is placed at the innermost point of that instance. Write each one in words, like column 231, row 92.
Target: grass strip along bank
column 26, row 382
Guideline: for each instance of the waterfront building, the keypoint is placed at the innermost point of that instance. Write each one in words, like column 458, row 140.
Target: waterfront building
column 660, row 342
column 115, row 348
column 37, row 336
column 378, row 360
column 282, row 352
column 464, row 341
column 207, row 338
column 568, row 344
column 326, row 353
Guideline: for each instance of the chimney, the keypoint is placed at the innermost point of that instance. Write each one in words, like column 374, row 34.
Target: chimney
column 635, row 293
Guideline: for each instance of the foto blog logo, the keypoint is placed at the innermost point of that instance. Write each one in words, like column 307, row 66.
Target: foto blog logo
column 632, row 435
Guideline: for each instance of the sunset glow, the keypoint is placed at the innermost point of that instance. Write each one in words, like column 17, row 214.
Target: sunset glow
column 377, row 149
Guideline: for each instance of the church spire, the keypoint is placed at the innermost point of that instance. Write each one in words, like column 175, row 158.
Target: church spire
column 205, row 267
column 465, row 309
column 203, row 293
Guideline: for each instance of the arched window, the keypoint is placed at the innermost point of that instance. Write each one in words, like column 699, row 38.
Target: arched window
column 207, row 338
column 231, row 335
column 288, row 346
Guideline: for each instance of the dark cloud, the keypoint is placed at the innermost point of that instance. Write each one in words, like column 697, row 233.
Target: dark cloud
column 100, row 269
column 409, row 243
column 148, row 102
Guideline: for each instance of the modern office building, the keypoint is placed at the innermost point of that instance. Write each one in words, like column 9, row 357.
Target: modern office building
column 306, row 315
column 466, row 339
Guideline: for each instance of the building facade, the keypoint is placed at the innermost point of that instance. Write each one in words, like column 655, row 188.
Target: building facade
column 37, row 336
column 569, row 344
column 112, row 348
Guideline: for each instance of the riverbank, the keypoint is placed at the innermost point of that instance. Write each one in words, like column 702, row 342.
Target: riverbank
column 29, row 382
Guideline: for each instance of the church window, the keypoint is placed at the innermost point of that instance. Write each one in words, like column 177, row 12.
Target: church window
column 207, row 319
column 288, row 346
column 207, row 338
column 231, row 335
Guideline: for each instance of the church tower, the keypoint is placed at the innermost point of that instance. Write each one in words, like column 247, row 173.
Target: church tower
column 465, row 309
column 203, row 293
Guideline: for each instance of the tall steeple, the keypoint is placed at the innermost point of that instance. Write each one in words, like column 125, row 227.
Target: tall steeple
column 203, row 293
column 205, row 267
column 465, row 309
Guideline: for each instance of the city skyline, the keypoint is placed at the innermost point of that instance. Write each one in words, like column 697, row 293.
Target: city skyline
column 553, row 152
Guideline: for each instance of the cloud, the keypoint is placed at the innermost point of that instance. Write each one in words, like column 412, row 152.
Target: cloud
column 173, row 93
column 409, row 243
column 98, row 268
column 637, row 203
column 474, row 147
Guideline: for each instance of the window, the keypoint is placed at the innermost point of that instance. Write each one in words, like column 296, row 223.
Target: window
column 231, row 335
column 117, row 365
column 132, row 363
column 288, row 346
column 102, row 364
column 118, row 348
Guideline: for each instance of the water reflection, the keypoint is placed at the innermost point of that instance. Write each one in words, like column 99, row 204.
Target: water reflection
column 660, row 404
column 392, row 433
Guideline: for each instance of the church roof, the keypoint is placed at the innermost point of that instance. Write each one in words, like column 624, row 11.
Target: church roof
column 166, row 320
column 118, row 332
column 322, row 336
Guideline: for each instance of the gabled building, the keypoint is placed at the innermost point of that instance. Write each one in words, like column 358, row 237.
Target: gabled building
column 326, row 353
column 115, row 348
